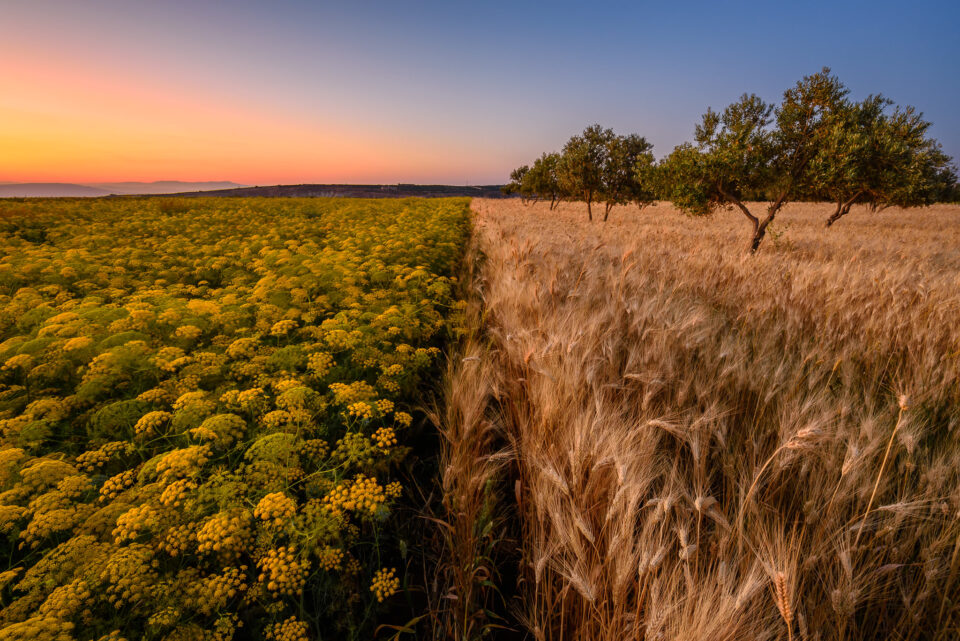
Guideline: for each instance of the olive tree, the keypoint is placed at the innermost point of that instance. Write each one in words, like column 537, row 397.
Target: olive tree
column 516, row 184
column 543, row 179
column 879, row 159
column 622, row 172
column 647, row 181
column 582, row 161
column 753, row 147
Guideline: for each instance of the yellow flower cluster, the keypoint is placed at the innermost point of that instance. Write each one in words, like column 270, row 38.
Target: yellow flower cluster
column 39, row 628
column 385, row 438
column 276, row 419
column 46, row 523
column 204, row 356
column 279, row 387
column 66, row 600
column 18, row 362
column 11, row 459
column 224, row 628
column 394, row 369
column 394, row 490
column 362, row 495
column 156, row 396
column 217, row 590
column 346, row 394
column 275, row 508
column 282, row 328
column 282, row 573
column 196, row 399
column 149, row 424
column 242, row 348
column 385, row 583
column 188, row 332
column 251, row 400
column 74, row 487
column 117, row 485
column 183, row 463
column 224, row 429
column 10, row 515
column 165, row 618
column 290, row 629
column 297, row 398
column 130, row 575
column 227, row 534
column 330, row 558
column 134, row 522
column 355, row 449
column 77, row 343
column 42, row 473
column 93, row 460
column 315, row 448
column 176, row 494
column 178, row 539
column 361, row 410
column 319, row 364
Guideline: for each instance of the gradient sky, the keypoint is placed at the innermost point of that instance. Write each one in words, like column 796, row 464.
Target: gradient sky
column 447, row 92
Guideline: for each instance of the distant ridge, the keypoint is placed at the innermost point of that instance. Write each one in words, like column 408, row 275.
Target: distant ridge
column 87, row 190
column 355, row 191
column 49, row 190
column 163, row 186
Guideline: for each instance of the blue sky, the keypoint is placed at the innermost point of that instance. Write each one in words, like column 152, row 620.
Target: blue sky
column 431, row 91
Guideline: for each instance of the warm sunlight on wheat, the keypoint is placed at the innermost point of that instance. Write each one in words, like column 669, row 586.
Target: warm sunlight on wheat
column 712, row 446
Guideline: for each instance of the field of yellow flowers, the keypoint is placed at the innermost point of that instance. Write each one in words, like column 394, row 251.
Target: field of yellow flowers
column 203, row 408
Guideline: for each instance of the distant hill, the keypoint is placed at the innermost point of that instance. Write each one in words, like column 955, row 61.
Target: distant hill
column 356, row 191
column 54, row 190
column 48, row 190
column 163, row 186
column 194, row 189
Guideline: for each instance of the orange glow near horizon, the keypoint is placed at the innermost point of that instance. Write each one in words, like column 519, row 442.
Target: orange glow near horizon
column 62, row 122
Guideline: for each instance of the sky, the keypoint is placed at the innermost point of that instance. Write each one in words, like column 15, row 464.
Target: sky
column 422, row 92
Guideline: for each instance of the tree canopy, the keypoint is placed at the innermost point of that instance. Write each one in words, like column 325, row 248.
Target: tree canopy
column 624, row 173
column 753, row 147
column 755, row 157
column 879, row 159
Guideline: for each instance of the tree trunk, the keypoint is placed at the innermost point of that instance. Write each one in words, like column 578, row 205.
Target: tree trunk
column 589, row 198
column 758, row 235
column 553, row 202
column 843, row 209
column 759, row 229
column 606, row 211
column 835, row 216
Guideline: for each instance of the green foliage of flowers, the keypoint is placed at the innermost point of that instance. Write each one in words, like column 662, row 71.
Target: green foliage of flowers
column 203, row 410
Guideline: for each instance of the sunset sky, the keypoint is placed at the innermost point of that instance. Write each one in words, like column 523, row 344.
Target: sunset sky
column 425, row 92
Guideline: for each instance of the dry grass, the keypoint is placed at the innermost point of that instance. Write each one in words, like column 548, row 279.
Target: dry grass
column 709, row 445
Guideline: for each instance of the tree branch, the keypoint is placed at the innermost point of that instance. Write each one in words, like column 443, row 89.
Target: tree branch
column 736, row 201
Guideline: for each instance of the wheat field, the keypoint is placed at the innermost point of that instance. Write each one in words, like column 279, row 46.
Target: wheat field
column 652, row 435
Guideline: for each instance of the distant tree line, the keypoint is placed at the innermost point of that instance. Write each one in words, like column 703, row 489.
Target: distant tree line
column 596, row 166
column 816, row 144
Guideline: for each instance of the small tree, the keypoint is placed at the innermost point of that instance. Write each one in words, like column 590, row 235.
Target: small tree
column 515, row 186
column 581, row 165
column 879, row 159
column 543, row 179
column 647, row 178
column 621, row 180
column 753, row 148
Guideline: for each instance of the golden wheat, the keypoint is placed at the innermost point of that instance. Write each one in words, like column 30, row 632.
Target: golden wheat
column 689, row 425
